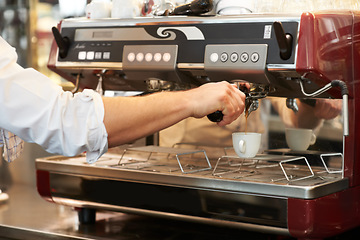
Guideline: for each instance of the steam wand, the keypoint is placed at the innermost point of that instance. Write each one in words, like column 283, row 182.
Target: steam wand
column 99, row 87
column 345, row 97
column 77, row 84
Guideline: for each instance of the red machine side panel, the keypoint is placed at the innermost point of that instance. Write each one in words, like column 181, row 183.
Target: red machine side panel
column 328, row 49
column 43, row 184
column 326, row 216
column 354, row 165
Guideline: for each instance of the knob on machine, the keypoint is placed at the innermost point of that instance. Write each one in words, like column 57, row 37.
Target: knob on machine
column 284, row 40
column 62, row 42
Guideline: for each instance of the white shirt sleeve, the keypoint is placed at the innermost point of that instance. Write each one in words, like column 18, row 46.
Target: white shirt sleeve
column 37, row 110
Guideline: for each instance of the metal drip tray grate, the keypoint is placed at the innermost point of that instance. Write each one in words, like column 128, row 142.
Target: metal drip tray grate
column 274, row 168
column 304, row 176
column 269, row 168
column 156, row 164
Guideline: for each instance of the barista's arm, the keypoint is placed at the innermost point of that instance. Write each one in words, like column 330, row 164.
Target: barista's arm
column 308, row 116
column 130, row 118
column 38, row 110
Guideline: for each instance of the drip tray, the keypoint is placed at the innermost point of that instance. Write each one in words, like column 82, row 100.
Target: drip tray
column 303, row 176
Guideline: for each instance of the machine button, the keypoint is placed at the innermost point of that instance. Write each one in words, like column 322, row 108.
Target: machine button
column 157, row 57
column 82, row 55
column 214, row 57
column 106, row 55
column 224, row 57
column 166, row 57
column 131, row 57
column 90, row 55
column 148, row 57
column 98, row 55
column 244, row 57
column 139, row 57
column 234, row 57
column 255, row 57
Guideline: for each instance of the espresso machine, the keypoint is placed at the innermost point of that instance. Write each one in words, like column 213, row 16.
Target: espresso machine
column 299, row 57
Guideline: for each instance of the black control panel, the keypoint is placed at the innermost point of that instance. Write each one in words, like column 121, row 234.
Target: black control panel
column 107, row 43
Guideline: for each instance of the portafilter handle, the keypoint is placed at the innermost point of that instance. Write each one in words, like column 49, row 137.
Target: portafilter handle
column 216, row 116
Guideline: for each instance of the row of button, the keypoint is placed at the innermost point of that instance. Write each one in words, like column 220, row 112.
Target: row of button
column 148, row 57
column 234, row 57
column 91, row 55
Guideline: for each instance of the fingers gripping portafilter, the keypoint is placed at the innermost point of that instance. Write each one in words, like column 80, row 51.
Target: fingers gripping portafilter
column 253, row 93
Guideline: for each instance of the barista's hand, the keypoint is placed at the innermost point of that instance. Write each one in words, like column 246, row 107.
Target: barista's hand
column 327, row 108
column 220, row 96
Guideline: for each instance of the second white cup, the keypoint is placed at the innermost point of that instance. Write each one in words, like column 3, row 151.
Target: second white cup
column 246, row 145
column 234, row 7
column 299, row 139
column 98, row 9
column 125, row 9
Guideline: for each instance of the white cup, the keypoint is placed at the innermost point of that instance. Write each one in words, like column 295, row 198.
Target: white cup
column 234, row 7
column 299, row 139
column 246, row 145
column 98, row 9
column 125, row 9
column 266, row 6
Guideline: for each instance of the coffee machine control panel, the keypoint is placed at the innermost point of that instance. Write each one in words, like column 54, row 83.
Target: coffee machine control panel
column 241, row 56
column 240, row 60
column 148, row 57
column 191, row 50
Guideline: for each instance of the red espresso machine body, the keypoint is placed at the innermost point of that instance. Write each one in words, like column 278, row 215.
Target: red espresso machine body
column 325, row 47
column 322, row 39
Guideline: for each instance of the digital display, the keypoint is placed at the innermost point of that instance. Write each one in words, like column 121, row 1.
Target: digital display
column 112, row 34
column 102, row 34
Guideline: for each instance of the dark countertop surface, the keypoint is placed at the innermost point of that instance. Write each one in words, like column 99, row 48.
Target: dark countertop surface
column 27, row 216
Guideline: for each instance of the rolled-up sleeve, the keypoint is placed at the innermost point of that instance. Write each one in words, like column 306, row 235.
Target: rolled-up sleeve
column 39, row 111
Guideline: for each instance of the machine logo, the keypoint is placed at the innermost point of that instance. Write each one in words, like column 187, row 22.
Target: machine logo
column 191, row 33
column 80, row 46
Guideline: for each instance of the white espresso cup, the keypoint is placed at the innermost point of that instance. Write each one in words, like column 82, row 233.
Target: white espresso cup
column 125, row 9
column 234, row 7
column 246, row 145
column 299, row 139
column 98, row 9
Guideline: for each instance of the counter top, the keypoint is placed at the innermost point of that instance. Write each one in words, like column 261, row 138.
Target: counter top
column 27, row 216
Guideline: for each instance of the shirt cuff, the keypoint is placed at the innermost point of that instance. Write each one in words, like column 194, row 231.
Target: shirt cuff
column 94, row 155
column 97, row 135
